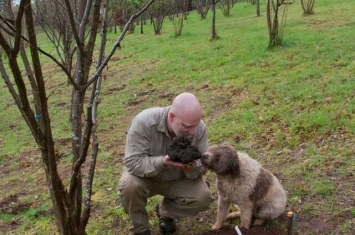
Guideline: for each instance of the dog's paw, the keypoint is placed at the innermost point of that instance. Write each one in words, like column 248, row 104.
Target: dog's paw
column 217, row 226
column 245, row 225
column 233, row 215
column 259, row 222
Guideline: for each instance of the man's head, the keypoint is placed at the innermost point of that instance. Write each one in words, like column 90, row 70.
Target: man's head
column 184, row 115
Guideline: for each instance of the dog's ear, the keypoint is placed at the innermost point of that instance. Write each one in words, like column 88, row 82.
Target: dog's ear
column 228, row 163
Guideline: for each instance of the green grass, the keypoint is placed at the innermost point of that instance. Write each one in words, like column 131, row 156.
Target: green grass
column 292, row 108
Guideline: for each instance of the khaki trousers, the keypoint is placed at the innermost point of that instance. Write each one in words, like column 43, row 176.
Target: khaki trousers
column 182, row 198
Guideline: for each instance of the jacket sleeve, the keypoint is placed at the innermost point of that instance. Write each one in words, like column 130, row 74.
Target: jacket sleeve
column 137, row 160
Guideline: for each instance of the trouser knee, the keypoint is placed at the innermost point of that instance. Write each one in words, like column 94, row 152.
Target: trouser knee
column 132, row 194
column 204, row 201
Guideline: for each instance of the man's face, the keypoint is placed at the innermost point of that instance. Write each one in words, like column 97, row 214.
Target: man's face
column 184, row 125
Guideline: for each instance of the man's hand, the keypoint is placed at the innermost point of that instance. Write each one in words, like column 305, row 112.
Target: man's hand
column 168, row 162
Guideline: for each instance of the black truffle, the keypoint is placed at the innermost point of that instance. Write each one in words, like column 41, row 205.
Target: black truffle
column 182, row 151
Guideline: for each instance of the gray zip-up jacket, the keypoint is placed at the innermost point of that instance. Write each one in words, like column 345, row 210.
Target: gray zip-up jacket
column 148, row 141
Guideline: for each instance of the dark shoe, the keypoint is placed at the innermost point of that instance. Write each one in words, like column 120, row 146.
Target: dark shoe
column 143, row 233
column 166, row 225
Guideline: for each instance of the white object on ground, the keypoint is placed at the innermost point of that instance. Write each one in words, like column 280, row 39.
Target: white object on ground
column 238, row 230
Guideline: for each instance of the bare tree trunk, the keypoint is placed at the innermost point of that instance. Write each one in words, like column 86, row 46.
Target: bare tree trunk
column 258, row 7
column 214, row 33
column 142, row 21
column 71, row 218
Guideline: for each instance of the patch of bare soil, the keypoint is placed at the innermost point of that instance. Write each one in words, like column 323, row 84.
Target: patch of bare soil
column 251, row 231
column 11, row 205
column 276, row 227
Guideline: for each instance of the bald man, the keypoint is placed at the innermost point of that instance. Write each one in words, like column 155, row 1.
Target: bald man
column 149, row 170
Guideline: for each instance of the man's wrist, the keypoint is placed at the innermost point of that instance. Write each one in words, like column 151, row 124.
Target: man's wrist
column 165, row 159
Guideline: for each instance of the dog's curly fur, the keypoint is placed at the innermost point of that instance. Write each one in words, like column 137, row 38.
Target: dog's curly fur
column 182, row 151
column 243, row 181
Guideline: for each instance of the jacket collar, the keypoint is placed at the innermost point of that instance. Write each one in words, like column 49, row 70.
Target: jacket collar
column 163, row 125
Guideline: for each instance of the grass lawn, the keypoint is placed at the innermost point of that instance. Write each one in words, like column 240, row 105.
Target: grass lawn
column 292, row 108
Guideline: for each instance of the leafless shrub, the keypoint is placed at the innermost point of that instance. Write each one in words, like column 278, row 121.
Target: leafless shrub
column 203, row 6
column 226, row 6
column 178, row 13
column 158, row 10
column 276, row 24
column 307, row 6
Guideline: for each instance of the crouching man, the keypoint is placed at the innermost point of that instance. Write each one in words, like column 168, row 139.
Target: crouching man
column 149, row 170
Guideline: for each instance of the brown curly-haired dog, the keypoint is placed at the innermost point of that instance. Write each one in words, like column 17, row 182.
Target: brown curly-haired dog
column 243, row 181
column 182, row 151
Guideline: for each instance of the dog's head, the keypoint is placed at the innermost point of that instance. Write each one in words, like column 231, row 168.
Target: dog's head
column 182, row 151
column 222, row 159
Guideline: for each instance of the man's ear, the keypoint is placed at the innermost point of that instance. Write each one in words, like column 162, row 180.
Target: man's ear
column 171, row 116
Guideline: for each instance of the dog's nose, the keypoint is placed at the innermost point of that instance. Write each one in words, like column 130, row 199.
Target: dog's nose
column 204, row 156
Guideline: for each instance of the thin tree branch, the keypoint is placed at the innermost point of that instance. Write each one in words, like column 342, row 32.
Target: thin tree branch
column 79, row 43
column 61, row 65
column 18, row 23
column 117, row 44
